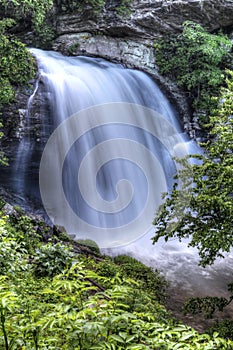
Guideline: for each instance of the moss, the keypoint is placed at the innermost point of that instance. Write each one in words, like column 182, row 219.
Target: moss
column 73, row 48
column 123, row 10
column 90, row 244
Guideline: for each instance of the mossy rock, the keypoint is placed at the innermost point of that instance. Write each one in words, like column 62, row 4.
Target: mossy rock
column 151, row 278
column 90, row 244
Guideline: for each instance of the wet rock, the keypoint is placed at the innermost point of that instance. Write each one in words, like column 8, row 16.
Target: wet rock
column 9, row 209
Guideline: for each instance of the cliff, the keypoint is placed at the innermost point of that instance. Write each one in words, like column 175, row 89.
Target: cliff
column 129, row 37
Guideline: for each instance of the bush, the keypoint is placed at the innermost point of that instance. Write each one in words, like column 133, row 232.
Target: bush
column 224, row 329
column 151, row 279
column 72, row 310
column 196, row 59
column 51, row 260
column 16, row 63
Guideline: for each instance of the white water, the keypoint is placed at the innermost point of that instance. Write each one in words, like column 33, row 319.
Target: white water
column 124, row 155
column 24, row 153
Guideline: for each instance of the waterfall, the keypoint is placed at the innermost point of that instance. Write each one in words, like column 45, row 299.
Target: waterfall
column 21, row 169
column 109, row 157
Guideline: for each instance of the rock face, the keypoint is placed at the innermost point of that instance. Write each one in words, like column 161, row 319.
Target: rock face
column 125, row 50
column 148, row 18
column 107, row 33
column 17, row 123
column 24, row 137
column 129, row 38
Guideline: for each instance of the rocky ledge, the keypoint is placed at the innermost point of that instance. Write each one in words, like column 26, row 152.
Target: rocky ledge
column 133, row 54
column 146, row 18
column 129, row 38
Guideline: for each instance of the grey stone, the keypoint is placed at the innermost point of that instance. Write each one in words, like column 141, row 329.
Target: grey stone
column 130, row 39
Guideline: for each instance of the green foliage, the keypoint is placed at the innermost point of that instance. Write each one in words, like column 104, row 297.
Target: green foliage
column 124, row 8
column 151, row 279
column 124, row 267
column 35, row 10
column 202, row 207
column 44, row 36
column 125, row 259
column 70, row 309
column 67, row 6
column 6, row 91
column 52, row 259
column 21, row 229
column 224, row 329
column 16, row 68
column 73, row 48
column 2, row 203
column 196, row 59
column 207, row 305
column 3, row 159
column 107, row 268
column 33, row 14
column 16, row 63
column 91, row 244
column 96, row 6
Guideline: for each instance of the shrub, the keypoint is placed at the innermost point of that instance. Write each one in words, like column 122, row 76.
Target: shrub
column 196, row 59
column 52, row 259
column 151, row 279
column 16, row 63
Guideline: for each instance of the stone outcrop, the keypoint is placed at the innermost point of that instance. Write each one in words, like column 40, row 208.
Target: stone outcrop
column 131, row 53
column 129, row 39
column 107, row 33
column 147, row 18
column 17, row 123
column 127, row 51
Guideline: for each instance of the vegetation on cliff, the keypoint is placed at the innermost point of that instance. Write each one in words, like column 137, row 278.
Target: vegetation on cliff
column 16, row 68
column 16, row 63
column 196, row 60
column 200, row 206
column 26, row 10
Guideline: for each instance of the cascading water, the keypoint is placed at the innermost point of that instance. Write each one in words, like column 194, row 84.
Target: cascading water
column 109, row 159
column 21, row 170
column 104, row 169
